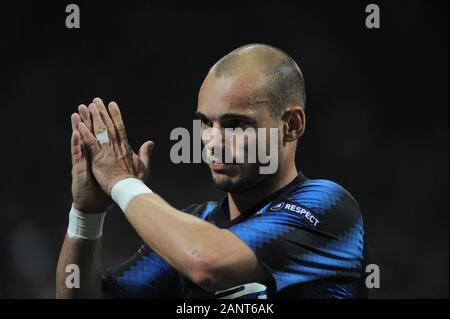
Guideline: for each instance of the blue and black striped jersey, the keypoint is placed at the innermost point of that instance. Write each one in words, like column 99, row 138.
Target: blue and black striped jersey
column 309, row 235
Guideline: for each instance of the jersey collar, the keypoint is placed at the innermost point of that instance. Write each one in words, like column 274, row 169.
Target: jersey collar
column 220, row 215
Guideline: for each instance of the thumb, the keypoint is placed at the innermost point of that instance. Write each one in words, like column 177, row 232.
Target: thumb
column 145, row 151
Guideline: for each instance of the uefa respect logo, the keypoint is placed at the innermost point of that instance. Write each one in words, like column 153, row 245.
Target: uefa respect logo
column 236, row 145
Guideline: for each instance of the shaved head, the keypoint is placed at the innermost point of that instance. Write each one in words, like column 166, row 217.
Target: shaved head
column 283, row 83
column 254, row 87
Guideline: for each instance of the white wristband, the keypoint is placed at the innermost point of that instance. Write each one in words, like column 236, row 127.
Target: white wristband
column 125, row 190
column 86, row 226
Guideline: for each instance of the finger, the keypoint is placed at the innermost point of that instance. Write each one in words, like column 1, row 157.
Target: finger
column 75, row 147
column 118, row 123
column 85, row 116
column 125, row 148
column 145, row 152
column 106, row 119
column 100, row 131
column 75, row 120
column 91, row 142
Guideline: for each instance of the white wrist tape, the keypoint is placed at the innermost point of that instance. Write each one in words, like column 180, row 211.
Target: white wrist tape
column 86, row 226
column 125, row 190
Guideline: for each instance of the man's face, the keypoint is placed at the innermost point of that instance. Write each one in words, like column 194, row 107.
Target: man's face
column 230, row 102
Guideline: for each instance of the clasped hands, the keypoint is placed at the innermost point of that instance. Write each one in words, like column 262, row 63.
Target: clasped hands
column 102, row 156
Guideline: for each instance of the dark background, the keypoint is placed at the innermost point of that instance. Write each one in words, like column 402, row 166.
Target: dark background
column 377, row 110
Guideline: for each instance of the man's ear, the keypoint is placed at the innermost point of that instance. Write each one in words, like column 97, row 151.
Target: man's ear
column 295, row 123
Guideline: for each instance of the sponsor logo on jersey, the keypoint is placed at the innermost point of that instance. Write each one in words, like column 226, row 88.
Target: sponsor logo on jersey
column 252, row 290
column 277, row 206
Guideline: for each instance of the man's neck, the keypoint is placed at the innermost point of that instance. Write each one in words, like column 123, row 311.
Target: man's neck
column 240, row 202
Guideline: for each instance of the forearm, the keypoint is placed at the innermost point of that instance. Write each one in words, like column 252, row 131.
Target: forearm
column 190, row 244
column 78, row 273
column 85, row 254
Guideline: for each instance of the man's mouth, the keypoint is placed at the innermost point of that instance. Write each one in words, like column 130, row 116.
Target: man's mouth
column 218, row 166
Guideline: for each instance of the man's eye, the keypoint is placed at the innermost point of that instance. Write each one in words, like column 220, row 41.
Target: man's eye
column 237, row 124
column 206, row 123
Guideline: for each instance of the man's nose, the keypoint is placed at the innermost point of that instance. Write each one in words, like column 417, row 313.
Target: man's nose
column 213, row 137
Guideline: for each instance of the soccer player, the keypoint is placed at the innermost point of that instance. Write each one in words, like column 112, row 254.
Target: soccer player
column 277, row 235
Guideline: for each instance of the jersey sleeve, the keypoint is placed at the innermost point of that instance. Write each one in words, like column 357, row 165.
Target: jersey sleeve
column 144, row 275
column 314, row 233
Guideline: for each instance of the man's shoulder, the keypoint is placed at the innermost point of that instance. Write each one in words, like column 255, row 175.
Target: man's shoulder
column 201, row 210
column 321, row 195
column 325, row 201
